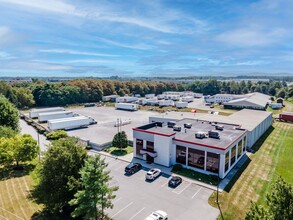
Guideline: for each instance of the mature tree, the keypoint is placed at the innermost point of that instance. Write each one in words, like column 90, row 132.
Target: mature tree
column 8, row 114
column 96, row 192
column 7, row 132
column 281, row 93
column 59, row 174
column 6, row 146
column 25, row 148
column 279, row 204
column 24, row 97
column 120, row 140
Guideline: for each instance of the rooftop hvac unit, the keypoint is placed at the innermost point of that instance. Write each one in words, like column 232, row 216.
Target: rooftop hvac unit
column 176, row 128
column 214, row 134
column 200, row 135
column 187, row 125
column 171, row 124
column 220, row 127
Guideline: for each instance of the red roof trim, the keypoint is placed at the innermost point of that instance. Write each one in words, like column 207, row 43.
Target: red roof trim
column 151, row 132
column 204, row 145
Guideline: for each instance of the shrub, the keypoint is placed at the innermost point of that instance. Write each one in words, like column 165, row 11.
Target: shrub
column 55, row 135
column 88, row 147
column 177, row 167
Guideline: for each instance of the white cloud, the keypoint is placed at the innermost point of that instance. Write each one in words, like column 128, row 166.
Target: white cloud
column 74, row 52
column 251, row 37
column 5, row 56
column 57, row 6
column 131, row 46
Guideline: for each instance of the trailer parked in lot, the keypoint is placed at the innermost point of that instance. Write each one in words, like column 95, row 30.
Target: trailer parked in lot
column 187, row 99
column 34, row 113
column 70, row 123
column 126, row 106
column 181, row 104
column 43, row 117
column 286, row 116
column 126, row 99
column 166, row 103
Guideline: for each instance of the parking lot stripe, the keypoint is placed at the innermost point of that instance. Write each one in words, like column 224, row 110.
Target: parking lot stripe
column 137, row 213
column 116, row 200
column 164, row 184
column 196, row 193
column 121, row 210
column 182, row 189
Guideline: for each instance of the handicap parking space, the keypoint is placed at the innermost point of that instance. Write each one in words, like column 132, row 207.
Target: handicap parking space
column 138, row 198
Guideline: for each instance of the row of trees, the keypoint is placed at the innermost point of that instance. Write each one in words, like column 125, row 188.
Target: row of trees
column 92, row 90
column 73, row 183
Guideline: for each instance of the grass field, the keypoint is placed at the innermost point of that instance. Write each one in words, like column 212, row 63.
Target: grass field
column 15, row 189
column 117, row 152
column 272, row 158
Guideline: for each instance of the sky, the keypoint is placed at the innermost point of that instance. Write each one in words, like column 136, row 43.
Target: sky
column 100, row 38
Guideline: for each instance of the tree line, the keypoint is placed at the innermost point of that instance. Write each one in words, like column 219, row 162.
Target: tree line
column 40, row 93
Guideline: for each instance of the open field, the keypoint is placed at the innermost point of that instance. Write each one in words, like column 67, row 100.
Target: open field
column 14, row 192
column 272, row 158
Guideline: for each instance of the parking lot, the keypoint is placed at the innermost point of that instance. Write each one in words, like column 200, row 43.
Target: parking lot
column 106, row 117
column 137, row 198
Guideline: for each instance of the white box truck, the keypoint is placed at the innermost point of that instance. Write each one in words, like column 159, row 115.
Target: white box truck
column 187, row 99
column 43, row 117
column 70, row 123
column 126, row 106
column 149, row 96
column 34, row 113
column 181, row 104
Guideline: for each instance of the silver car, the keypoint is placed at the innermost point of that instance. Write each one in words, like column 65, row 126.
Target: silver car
column 152, row 174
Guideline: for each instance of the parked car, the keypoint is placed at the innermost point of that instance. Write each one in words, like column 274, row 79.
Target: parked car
column 152, row 174
column 175, row 181
column 132, row 168
column 158, row 215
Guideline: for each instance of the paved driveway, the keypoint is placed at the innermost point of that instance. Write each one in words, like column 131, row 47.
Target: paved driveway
column 137, row 198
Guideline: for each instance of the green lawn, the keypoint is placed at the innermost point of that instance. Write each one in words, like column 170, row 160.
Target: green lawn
column 272, row 158
column 119, row 152
column 209, row 179
column 15, row 186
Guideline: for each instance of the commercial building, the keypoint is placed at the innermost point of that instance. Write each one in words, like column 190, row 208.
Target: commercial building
column 211, row 144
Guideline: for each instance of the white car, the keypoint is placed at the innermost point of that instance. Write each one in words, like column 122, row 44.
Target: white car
column 158, row 215
column 152, row 174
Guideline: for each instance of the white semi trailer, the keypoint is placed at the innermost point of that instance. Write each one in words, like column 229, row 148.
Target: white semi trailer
column 34, row 113
column 181, row 104
column 70, row 123
column 166, row 103
column 43, row 117
column 187, row 99
column 126, row 106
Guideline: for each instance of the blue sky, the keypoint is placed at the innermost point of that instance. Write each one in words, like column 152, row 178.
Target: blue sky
column 145, row 37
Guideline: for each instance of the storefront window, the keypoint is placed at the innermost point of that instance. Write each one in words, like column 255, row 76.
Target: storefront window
column 196, row 158
column 233, row 155
column 213, row 162
column 227, row 161
column 239, row 149
column 181, row 154
column 244, row 143
column 139, row 146
column 150, row 145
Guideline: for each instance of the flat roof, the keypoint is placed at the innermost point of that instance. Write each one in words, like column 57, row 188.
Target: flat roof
column 247, row 118
column 227, row 137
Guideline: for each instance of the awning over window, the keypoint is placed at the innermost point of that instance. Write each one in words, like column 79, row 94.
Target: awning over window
column 149, row 152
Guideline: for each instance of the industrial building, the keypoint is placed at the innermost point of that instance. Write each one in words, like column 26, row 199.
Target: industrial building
column 211, row 144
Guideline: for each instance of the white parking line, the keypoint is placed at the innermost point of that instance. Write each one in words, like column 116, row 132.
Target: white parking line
column 164, row 184
column 182, row 189
column 137, row 213
column 196, row 193
column 116, row 200
column 121, row 210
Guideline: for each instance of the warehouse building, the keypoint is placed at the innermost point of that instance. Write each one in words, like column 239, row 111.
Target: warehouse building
column 211, row 144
